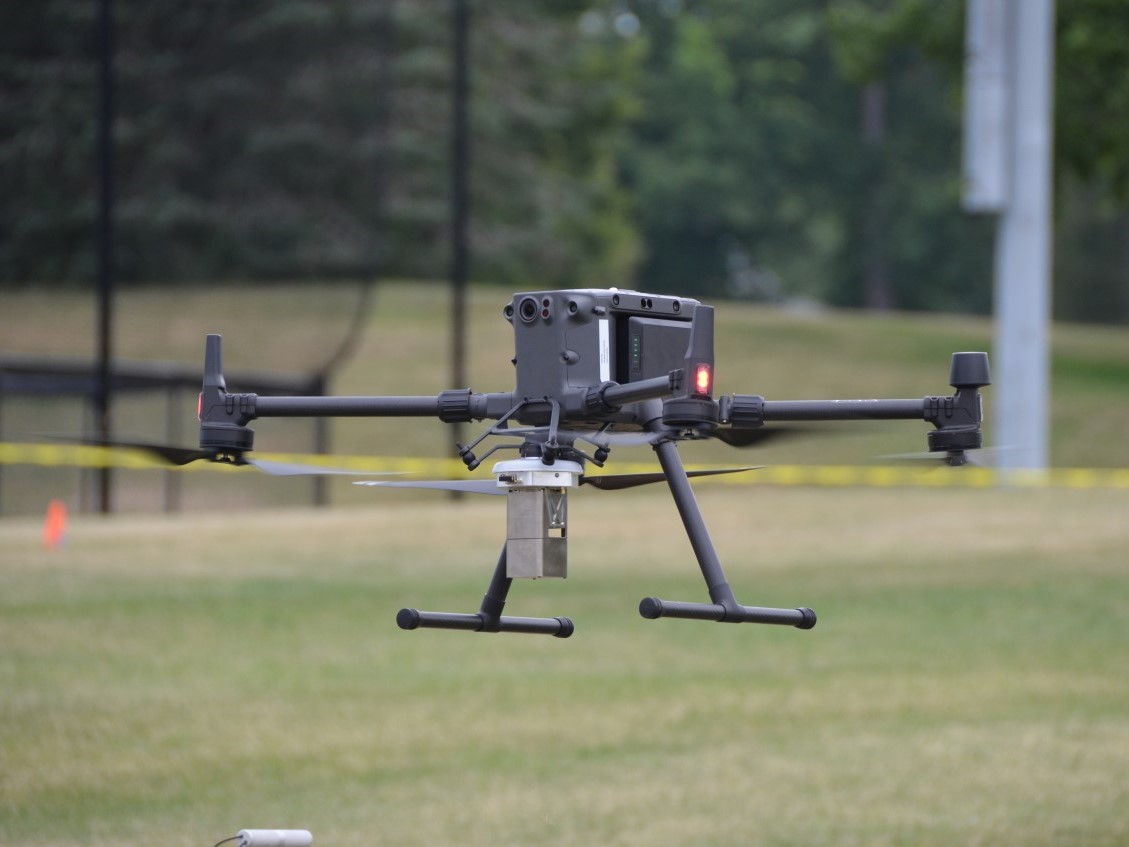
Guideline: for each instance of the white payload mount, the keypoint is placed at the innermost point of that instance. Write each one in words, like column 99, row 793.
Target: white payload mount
column 537, row 515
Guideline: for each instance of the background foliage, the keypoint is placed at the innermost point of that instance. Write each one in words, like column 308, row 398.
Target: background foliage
column 754, row 148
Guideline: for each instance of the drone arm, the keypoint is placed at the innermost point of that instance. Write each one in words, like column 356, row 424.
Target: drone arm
column 224, row 417
column 968, row 372
column 362, row 407
column 956, row 419
column 751, row 410
column 843, row 410
column 448, row 406
column 459, row 405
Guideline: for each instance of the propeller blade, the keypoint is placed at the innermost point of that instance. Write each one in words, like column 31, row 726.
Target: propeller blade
column 954, row 459
column 168, row 453
column 755, row 437
column 181, row 456
column 605, row 482
column 618, row 482
column 983, row 457
column 989, row 457
column 728, row 435
column 471, row 486
column 622, row 439
column 740, row 437
column 296, row 469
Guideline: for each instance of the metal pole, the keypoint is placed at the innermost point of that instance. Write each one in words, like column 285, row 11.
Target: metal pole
column 105, row 236
column 172, row 436
column 460, row 195
column 986, row 97
column 1023, row 248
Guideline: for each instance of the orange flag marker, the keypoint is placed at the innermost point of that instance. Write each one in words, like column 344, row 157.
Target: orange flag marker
column 55, row 524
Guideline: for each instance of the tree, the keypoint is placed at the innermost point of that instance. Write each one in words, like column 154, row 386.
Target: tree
column 757, row 170
column 309, row 138
column 908, row 223
column 1091, row 126
column 1091, row 159
column 547, row 111
column 732, row 159
column 231, row 157
column 48, row 102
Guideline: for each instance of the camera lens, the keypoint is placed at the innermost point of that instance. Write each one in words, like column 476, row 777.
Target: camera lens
column 528, row 309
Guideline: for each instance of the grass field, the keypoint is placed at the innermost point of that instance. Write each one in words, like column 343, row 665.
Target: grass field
column 170, row 681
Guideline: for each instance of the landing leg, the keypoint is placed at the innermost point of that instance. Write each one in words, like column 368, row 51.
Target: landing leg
column 489, row 617
column 724, row 606
column 494, row 600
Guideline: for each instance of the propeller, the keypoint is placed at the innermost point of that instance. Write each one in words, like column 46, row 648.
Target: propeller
column 983, row 457
column 612, row 437
column 180, row 456
column 731, row 435
column 728, row 435
column 754, row 437
column 617, row 482
column 297, row 469
column 469, row 486
column 605, row 482
column 776, row 431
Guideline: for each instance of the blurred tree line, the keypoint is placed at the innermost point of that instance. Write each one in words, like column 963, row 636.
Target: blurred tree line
column 773, row 149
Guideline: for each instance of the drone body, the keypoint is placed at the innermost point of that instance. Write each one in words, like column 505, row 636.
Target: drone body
column 593, row 368
column 567, row 343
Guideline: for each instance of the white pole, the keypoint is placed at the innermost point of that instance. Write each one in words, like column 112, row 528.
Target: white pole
column 986, row 97
column 1021, row 367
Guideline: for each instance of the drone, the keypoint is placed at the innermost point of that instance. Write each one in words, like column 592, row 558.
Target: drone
column 595, row 369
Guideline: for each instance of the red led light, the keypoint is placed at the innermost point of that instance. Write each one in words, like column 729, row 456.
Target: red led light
column 200, row 406
column 703, row 380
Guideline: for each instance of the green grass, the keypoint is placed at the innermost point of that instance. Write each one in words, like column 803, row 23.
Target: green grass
column 178, row 679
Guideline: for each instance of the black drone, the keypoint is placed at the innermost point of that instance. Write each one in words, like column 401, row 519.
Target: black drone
column 594, row 368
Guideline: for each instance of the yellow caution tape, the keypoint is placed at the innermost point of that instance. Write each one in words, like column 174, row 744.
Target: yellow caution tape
column 881, row 476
